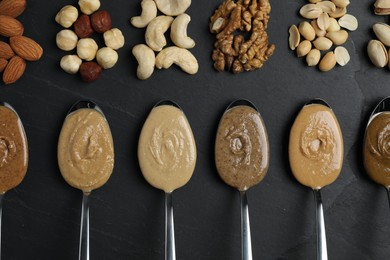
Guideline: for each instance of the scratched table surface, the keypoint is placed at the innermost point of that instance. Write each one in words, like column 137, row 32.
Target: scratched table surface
column 41, row 217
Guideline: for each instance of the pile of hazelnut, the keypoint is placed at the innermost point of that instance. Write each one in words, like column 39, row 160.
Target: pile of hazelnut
column 91, row 20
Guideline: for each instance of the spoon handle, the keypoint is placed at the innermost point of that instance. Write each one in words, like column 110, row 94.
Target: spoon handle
column 84, row 228
column 170, row 251
column 246, row 243
column 322, row 253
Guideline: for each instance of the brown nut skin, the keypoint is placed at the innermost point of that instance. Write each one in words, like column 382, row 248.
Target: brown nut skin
column 101, row 21
column 82, row 27
column 90, row 71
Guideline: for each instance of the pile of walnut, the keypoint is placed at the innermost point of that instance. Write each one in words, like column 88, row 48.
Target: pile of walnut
column 232, row 51
column 84, row 26
column 156, row 26
column 13, row 56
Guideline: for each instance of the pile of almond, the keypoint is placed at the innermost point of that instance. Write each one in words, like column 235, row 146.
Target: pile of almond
column 13, row 55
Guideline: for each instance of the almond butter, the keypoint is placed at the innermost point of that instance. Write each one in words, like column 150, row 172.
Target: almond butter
column 10, row 26
column 26, row 48
column 14, row 70
column 12, row 8
column 5, row 51
column 3, row 64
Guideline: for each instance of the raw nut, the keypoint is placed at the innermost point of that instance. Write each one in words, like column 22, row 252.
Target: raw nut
column 5, row 51
column 311, row 11
column 377, row 53
column 26, row 48
column 12, row 8
column 3, row 64
column 294, row 38
column 327, row 6
column 382, row 32
column 89, row 6
column 154, row 35
column 341, row 3
column 14, row 70
column 339, row 12
column 303, row 48
column 318, row 31
column 70, row 63
column 307, row 31
column 339, row 37
column 107, row 57
column 67, row 16
column 101, row 21
column 328, row 62
column 114, row 38
column 82, row 27
column 313, row 57
column 90, row 71
column 382, row 7
column 179, row 32
column 146, row 60
column 173, row 7
column 323, row 21
column 322, row 43
column 149, row 12
column 342, row 56
column 10, row 26
column 66, row 40
column 179, row 56
column 348, row 22
column 334, row 25
column 86, row 49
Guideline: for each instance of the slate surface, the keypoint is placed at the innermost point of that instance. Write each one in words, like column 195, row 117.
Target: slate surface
column 41, row 217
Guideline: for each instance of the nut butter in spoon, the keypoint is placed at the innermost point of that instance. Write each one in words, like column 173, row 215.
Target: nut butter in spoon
column 316, row 153
column 242, row 157
column 85, row 157
column 167, row 157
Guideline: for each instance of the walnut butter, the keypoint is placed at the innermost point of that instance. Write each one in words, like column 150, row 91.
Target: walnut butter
column 316, row 146
column 242, row 148
column 13, row 150
column 85, row 150
column 166, row 148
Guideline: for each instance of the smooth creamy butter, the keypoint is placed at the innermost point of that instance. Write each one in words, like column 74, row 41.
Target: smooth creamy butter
column 316, row 146
column 166, row 148
column 242, row 148
column 85, row 150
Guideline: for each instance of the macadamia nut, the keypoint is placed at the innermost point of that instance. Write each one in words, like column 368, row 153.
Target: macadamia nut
column 89, row 6
column 67, row 16
column 114, row 38
column 66, row 40
column 70, row 63
column 86, row 49
column 107, row 57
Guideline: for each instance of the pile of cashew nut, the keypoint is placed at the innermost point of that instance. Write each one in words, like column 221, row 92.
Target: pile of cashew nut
column 155, row 40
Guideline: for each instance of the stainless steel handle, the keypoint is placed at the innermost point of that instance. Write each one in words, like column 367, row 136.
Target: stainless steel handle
column 84, row 228
column 170, row 251
column 246, row 243
column 322, row 252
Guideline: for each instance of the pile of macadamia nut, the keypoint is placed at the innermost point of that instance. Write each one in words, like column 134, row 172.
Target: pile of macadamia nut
column 155, row 40
column 91, row 20
column 310, row 38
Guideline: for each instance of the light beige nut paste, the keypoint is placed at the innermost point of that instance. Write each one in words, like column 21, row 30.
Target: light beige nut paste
column 86, row 150
column 166, row 148
column 316, row 146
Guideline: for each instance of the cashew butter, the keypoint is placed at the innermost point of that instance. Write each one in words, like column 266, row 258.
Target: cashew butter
column 316, row 146
column 85, row 150
column 242, row 148
column 166, row 148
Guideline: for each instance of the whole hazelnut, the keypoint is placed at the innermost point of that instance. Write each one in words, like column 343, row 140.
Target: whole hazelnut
column 89, row 6
column 70, row 63
column 66, row 40
column 82, row 27
column 114, row 38
column 107, row 57
column 67, row 16
column 86, row 49
column 90, row 71
column 101, row 21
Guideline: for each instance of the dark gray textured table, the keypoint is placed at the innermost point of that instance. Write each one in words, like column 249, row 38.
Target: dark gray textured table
column 41, row 216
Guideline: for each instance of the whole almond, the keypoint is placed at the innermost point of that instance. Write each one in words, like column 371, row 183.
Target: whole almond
column 3, row 64
column 12, row 8
column 14, row 70
column 26, row 48
column 10, row 26
column 5, row 51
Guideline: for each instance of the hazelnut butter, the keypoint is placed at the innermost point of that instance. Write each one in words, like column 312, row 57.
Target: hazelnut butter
column 241, row 148
column 166, row 148
column 377, row 149
column 316, row 146
column 13, row 150
column 85, row 150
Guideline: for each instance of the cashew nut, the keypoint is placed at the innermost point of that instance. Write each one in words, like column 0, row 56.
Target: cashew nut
column 146, row 60
column 173, row 7
column 179, row 32
column 179, row 56
column 154, row 35
column 149, row 12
